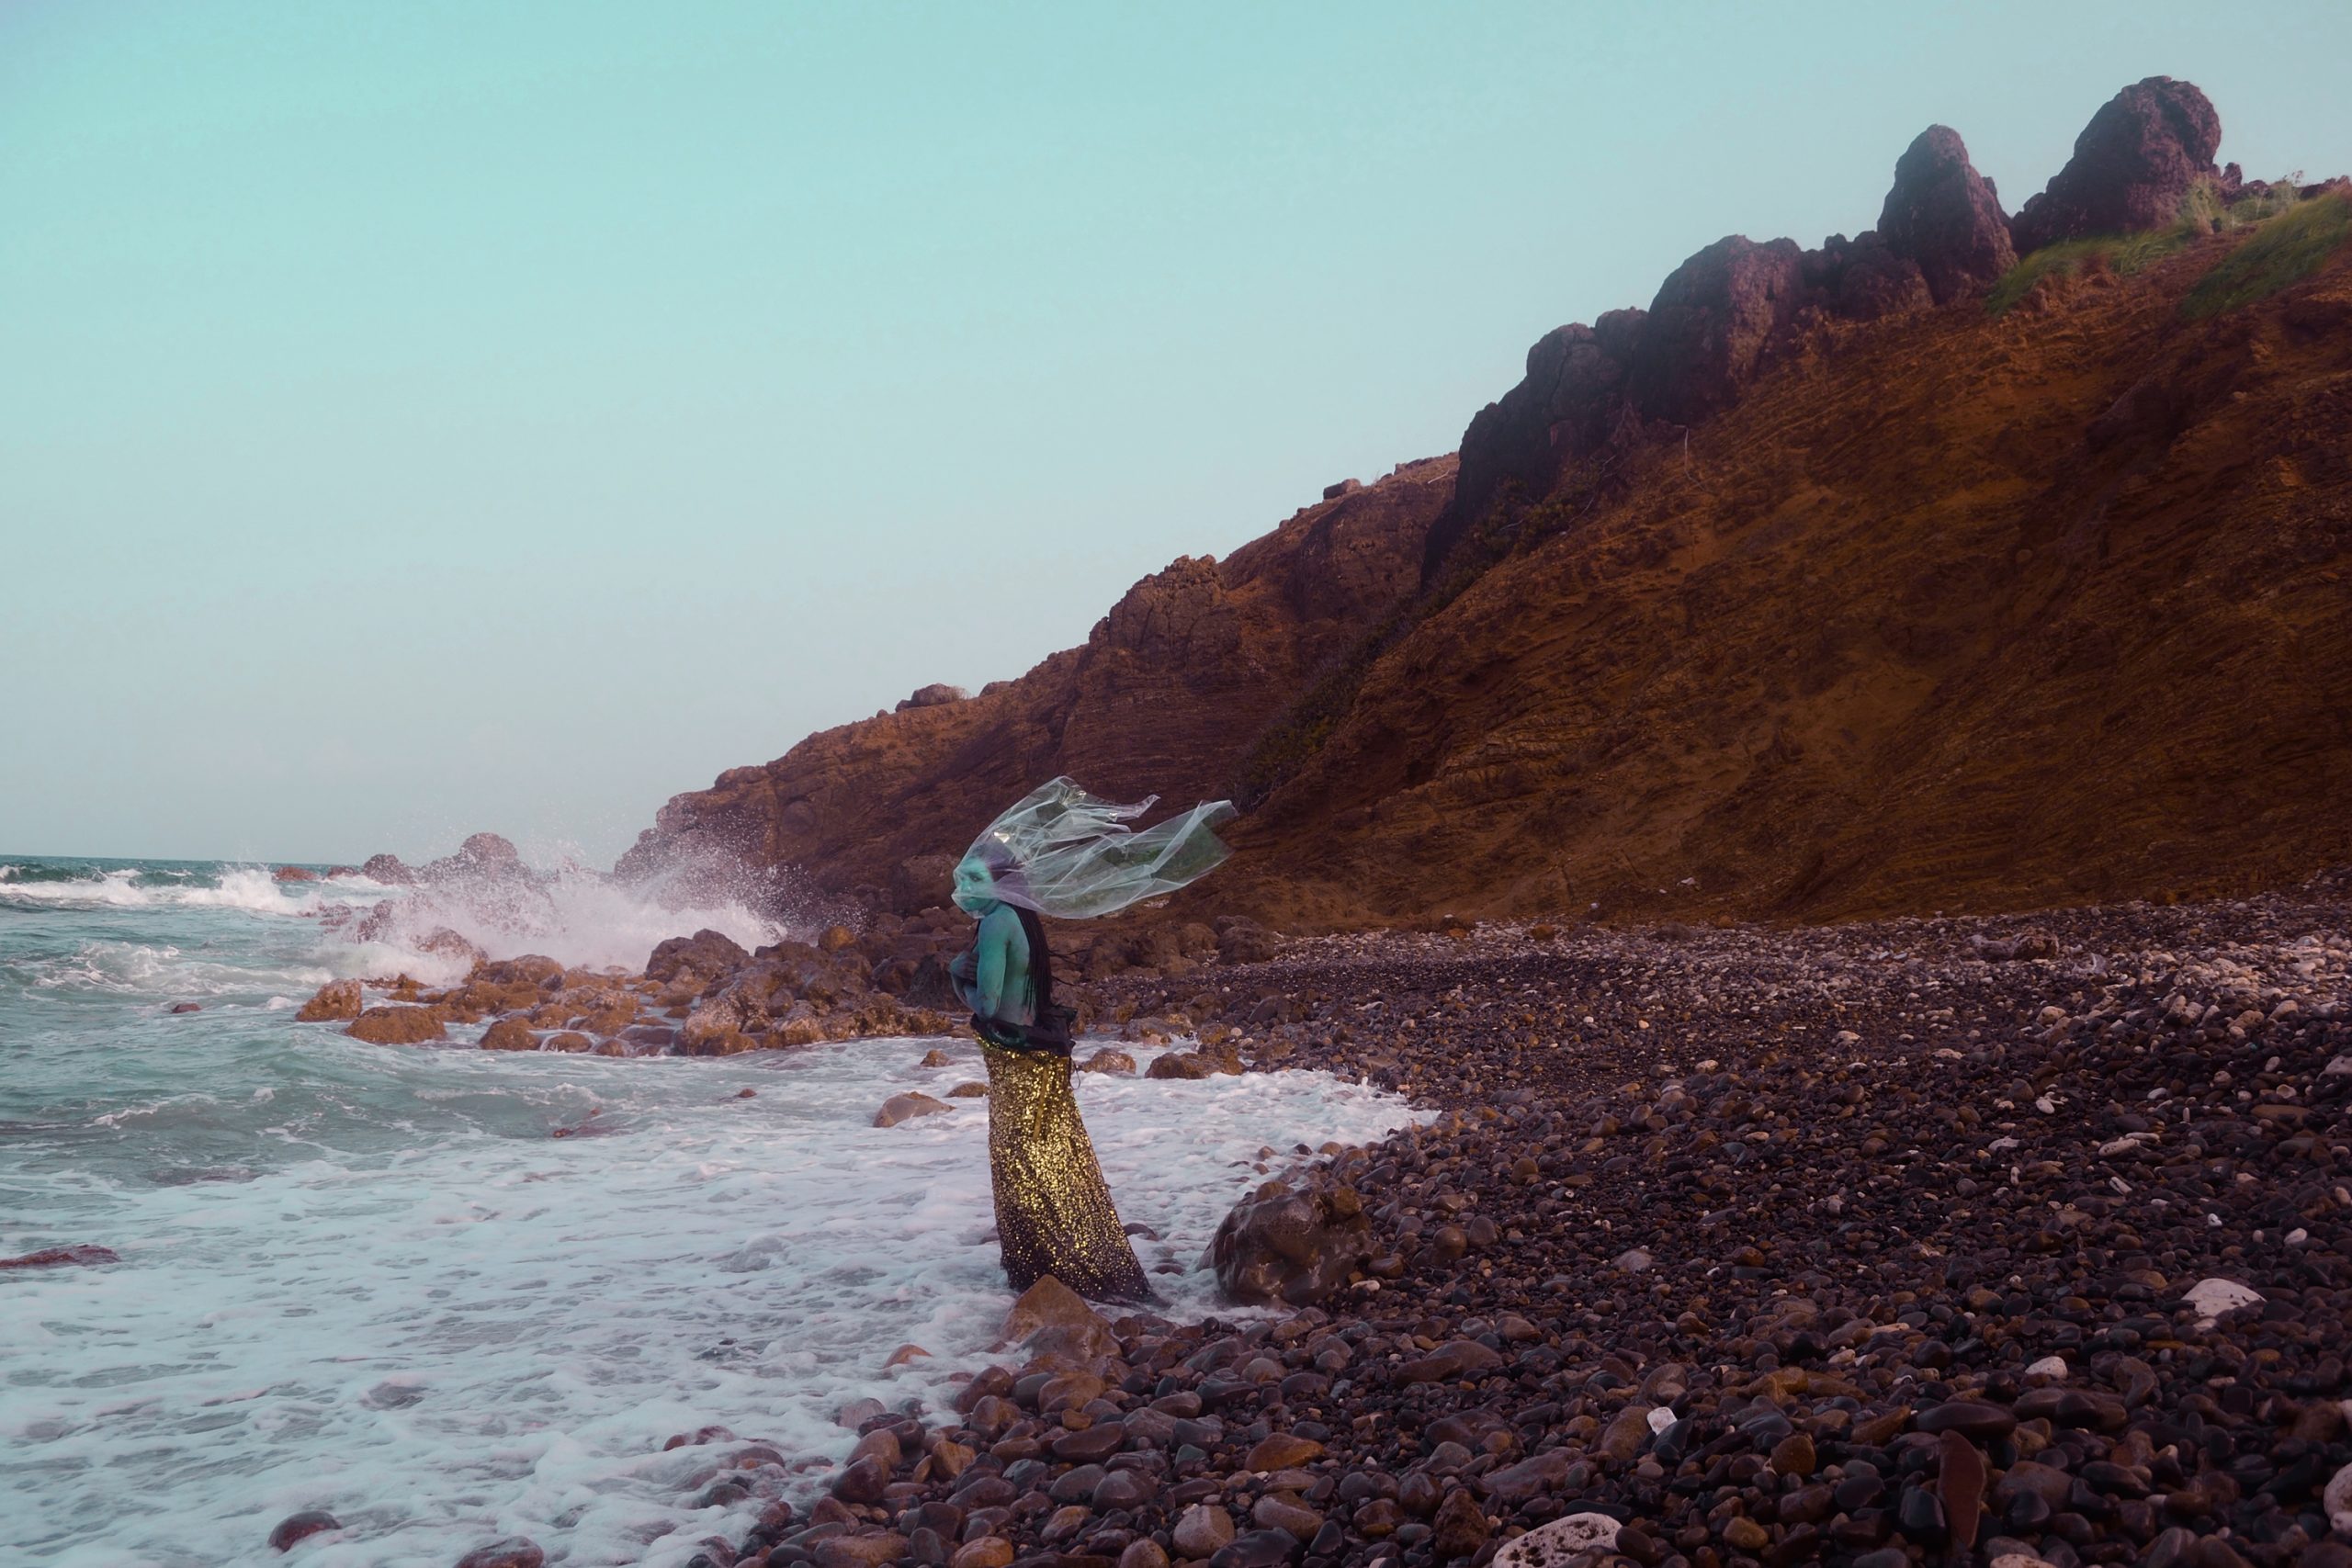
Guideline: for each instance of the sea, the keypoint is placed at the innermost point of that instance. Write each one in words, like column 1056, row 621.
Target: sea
column 451, row 1295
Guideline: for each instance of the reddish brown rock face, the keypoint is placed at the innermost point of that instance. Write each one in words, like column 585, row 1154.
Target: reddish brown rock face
column 2132, row 166
column 1165, row 698
column 1841, row 605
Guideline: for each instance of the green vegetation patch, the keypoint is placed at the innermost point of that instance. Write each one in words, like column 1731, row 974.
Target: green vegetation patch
column 2122, row 253
column 2284, row 250
column 2201, row 213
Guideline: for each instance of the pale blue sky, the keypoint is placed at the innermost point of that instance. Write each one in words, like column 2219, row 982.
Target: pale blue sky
column 421, row 418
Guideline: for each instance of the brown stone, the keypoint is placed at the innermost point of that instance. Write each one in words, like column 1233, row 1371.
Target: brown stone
column 302, row 1527
column 989, row 1551
column 1201, row 1530
column 514, row 1551
column 335, row 1000
column 1282, row 1450
column 1290, row 1247
column 1459, row 1527
column 509, row 1034
column 871, row 1550
column 398, row 1026
column 907, row 1106
column 1793, row 1455
column 1960, row 1486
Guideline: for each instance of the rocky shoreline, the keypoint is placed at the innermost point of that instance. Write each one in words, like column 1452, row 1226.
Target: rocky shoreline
column 1875, row 1244
column 1951, row 1241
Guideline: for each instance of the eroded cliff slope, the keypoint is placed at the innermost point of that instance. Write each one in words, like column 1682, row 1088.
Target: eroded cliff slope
column 1976, row 563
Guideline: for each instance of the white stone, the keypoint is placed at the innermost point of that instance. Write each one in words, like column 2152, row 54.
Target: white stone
column 2340, row 1068
column 2048, row 1367
column 1661, row 1419
column 2211, row 1298
column 1548, row 1546
column 2019, row 1560
column 2337, row 1499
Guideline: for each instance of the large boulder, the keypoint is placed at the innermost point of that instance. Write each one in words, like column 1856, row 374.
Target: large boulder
column 388, row 869
column 706, row 953
column 1709, row 329
column 2133, row 167
column 1946, row 217
column 390, row 1025
column 336, row 1001
column 1298, row 1248
column 937, row 694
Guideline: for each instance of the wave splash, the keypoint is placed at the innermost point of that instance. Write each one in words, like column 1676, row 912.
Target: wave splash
column 576, row 915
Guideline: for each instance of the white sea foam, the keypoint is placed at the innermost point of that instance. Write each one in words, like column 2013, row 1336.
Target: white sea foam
column 492, row 1332
column 240, row 887
column 163, row 971
column 575, row 915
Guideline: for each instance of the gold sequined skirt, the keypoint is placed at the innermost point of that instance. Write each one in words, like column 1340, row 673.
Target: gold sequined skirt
column 1053, row 1208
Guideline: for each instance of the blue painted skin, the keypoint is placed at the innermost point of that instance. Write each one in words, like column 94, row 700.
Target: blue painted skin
column 1000, row 987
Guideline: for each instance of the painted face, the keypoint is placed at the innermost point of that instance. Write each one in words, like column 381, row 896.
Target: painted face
column 975, row 887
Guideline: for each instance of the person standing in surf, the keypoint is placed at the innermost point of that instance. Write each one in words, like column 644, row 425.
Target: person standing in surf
column 1062, row 852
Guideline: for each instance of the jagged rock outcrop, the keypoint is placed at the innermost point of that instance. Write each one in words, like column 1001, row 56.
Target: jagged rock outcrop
column 1946, row 217
column 1707, row 331
column 1719, row 321
column 2133, row 167
column 1165, row 698
column 1559, row 412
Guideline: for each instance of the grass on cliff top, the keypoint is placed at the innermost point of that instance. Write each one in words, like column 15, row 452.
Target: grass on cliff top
column 2284, row 250
column 2203, row 213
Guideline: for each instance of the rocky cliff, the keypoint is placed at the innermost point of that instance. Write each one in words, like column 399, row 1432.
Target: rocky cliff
column 1166, row 696
column 1830, row 584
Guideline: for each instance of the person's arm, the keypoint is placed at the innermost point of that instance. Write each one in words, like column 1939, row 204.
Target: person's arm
column 988, row 987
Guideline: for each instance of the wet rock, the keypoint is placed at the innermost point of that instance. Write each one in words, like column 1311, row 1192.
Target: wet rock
column 1282, row 1450
column 987, row 1552
column 873, row 1549
column 1459, row 1527
column 1051, row 1319
column 1108, row 1061
column 514, row 1551
column 1627, row 1434
column 706, row 954
column 393, row 1025
column 1182, row 1065
column 1960, row 1487
column 185, row 1007
column 388, row 869
column 1256, row 1549
column 1144, row 1552
column 302, row 1527
column 509, row 1034
column 1201, row 1531
column 337, row 1000
column 907, row 1106
column 1970, row 1419
column 1290, row 1247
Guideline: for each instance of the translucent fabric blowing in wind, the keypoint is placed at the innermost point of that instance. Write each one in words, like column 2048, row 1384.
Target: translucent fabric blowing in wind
column 1071, row 855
